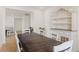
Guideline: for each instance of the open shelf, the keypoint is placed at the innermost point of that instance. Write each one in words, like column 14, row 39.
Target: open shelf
column 61, row 24
column 60, row 29
column 62, row 20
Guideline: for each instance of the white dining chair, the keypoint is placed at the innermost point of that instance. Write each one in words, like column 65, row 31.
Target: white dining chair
column 17, row 43
column 54, row 36
column 64, row 47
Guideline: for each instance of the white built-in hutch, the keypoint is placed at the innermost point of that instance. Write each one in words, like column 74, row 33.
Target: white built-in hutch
column 62, row 22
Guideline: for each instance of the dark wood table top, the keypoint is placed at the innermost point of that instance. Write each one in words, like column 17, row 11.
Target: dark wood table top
column 33, row 42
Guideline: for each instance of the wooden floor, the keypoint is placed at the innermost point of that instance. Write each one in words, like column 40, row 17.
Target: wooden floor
column 9, row 46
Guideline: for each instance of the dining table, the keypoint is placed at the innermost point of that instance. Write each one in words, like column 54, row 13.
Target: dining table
column 33, row 42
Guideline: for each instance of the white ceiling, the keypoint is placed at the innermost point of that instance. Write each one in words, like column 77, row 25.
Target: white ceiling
column 30, row 8
column 14, row 11
column 39, row 7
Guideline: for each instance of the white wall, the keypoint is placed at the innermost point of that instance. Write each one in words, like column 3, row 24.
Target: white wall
column 26, row 22
column 9, row 22
column 2, row 25
column 77, row 28
column 38, row 20
column 47, row 19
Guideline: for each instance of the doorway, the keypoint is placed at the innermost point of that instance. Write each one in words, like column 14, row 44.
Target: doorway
column 18, row 24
